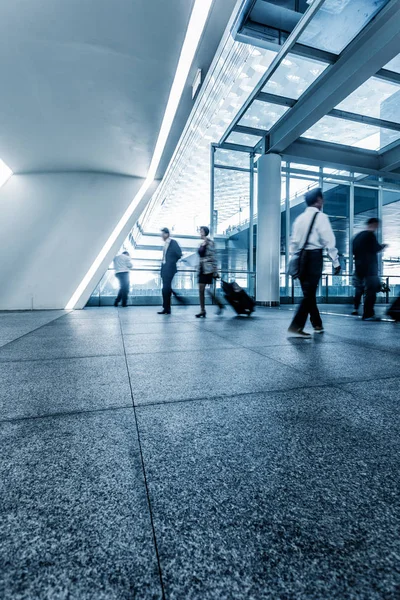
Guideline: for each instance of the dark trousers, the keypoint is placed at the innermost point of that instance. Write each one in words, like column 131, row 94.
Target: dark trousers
column 311, row 271
column 359, row 286
column 167, row 278
column 372, row 287
column 123, row 279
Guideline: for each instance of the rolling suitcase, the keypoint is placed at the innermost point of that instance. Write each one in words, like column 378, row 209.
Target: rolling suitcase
column 394, row 310
column 237, row 298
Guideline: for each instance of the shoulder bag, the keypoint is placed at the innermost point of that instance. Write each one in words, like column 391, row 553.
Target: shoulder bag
column 295, row 262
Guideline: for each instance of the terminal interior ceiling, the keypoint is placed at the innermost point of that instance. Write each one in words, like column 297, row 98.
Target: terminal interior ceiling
column 325, row 95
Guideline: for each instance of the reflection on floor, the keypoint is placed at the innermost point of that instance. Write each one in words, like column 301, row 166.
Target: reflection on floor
column 161, row 457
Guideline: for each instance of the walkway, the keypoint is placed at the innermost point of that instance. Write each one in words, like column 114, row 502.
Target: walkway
column 161, row 457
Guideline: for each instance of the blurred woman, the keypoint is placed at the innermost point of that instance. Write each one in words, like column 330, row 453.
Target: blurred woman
column 207, row 271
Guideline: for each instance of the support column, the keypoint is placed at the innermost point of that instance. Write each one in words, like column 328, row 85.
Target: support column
column 268, row 229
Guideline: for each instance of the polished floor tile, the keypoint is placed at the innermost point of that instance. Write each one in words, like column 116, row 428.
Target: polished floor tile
column 273, row 496
column 74, row 513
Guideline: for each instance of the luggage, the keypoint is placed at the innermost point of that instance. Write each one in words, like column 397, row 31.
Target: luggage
column 237, row 298
column 394, row 310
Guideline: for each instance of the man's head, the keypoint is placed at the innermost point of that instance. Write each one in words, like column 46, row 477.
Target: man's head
column 126, row 253
column 165, row 233
column 373, row 224
column 315, row 198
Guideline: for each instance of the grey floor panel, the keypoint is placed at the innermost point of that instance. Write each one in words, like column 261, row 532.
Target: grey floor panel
column 336, row 362
column 173, row 342
column 16, row 324
column 75, row 521
column 37, row 388
column 47, row 343
column 275, row 496
column 208, row 373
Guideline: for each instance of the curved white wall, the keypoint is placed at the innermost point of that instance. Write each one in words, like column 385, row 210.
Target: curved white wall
column 52, row 227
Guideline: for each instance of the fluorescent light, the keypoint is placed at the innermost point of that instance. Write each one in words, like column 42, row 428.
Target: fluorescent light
column 5, row 173
column 195, row 29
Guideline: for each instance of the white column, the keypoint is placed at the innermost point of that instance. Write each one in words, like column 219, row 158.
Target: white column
column 268, row 229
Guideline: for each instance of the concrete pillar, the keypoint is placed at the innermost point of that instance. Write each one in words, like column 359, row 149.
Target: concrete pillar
column 268, row 229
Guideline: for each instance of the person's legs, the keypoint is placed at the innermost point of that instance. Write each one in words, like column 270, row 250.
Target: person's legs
column 311, row 292
column 202, row 297
column 372, row 285
column 358, row 283
column 311, row 273
column 166, row 292
column 214, row 297
column 119, row 296
column 124, row 288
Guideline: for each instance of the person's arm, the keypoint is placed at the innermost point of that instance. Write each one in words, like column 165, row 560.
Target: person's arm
column 178, row 251
column 327, row 238
column 294, row 238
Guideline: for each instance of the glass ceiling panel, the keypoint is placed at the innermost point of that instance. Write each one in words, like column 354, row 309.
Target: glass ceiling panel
column 293, row 76
column 230, row 158
column 375, row 98
column 338, row 22
column 394, row 64
column 243, row 139
column 262, row 115
column 349, row 133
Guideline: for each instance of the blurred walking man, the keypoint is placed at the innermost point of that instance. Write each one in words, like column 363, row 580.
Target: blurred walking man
column 314, row 225
column 122, row 266
column 365, row 249
column 171, row 254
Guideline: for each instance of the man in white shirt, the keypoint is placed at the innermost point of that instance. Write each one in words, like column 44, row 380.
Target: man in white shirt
column 321, row 236
column 122, row 266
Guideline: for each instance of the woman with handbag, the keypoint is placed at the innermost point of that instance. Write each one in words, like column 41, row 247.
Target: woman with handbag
column 207, row 271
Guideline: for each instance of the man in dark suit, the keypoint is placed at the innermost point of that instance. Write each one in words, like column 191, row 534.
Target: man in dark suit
column 171, row 254
column 365, row 249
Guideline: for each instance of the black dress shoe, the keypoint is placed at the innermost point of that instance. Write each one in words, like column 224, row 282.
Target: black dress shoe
column 164, row 312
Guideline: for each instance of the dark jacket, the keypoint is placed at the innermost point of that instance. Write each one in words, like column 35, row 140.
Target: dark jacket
column 174, row 253
column 365, row 250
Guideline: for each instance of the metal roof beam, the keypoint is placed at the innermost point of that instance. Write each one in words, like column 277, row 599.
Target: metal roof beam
column 339, row 114
column 375, row 46
column 389, row 160
column 335, row 156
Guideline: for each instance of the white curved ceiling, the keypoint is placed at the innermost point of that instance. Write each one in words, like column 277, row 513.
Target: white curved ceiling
column 84, row 83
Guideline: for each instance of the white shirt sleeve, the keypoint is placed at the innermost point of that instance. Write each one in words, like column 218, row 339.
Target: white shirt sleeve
column 327, row 238
column 295, row 238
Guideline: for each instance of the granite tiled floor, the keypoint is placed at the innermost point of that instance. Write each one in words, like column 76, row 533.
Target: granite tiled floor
column 147, row 457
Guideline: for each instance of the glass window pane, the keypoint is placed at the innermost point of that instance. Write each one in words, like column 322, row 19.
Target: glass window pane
column 349, row 133
column 365, row 206
column 337, row 207
column 375, row 98
column 231, row 158
column 243, row 139
column 263, row 115
column 394, row 64
column 293, row 76
column 390, row 232
column 338, row 22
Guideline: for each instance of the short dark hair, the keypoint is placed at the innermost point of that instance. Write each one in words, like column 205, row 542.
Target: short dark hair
column 373, row 221
column 126, row 252
column 312, row 196
column 165, row 230
column 206, row 229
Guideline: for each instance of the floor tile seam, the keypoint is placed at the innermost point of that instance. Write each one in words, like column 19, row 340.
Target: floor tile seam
column 33, row 330
column 35, row 360
column 319, row 385
column 69, row 413
column 151, row 516
column 277, row 360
